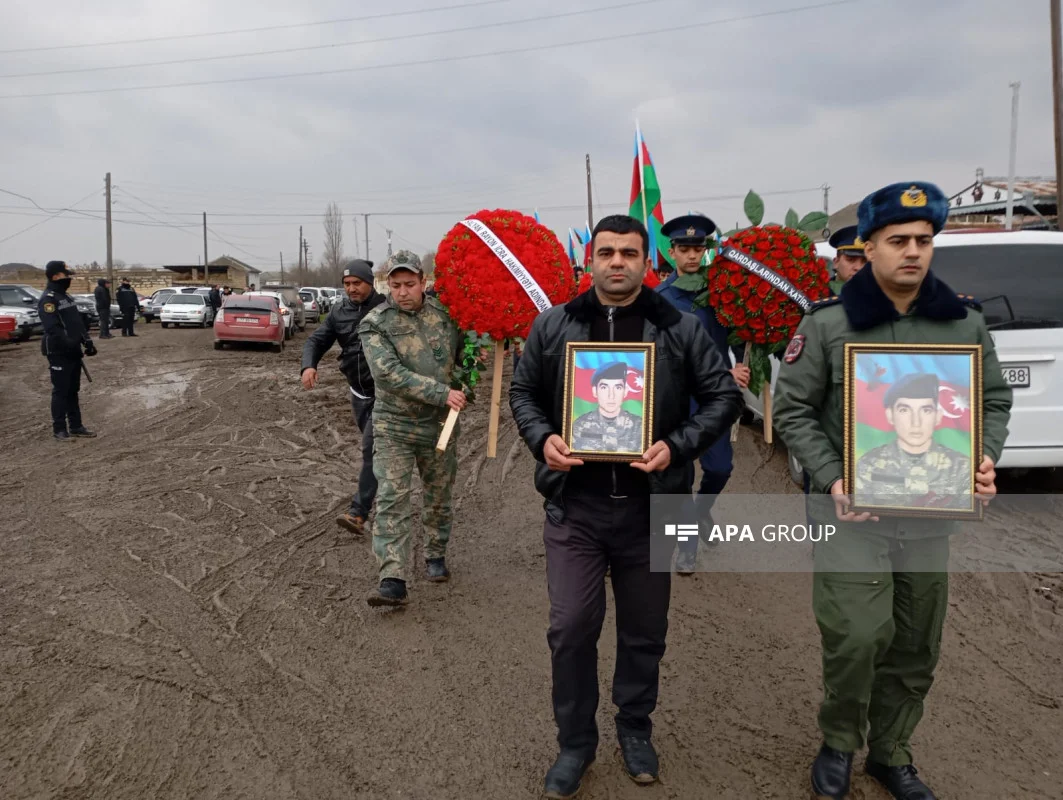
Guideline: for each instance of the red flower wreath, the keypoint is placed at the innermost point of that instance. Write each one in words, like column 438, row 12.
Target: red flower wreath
column 755, row 310
column 587, row 281
column 480, row 292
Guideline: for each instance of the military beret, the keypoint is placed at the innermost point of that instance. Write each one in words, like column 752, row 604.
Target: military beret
column 359, row 268
column 615, row 370
column 847, row 240
column 690, row 229
column 917, row 386
column 902, row 202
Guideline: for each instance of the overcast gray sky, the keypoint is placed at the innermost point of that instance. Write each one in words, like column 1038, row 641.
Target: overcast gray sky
column 854, row 95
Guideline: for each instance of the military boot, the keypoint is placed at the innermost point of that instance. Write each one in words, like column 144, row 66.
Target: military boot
column 351, row 522
column 686, row 562
column 83, row 433
column 436, row 570
column 831, row 774
column 391, row 592
column 62, row 436
column 901, row 782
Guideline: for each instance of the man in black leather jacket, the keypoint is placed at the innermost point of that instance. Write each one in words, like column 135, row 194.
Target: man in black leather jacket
column 342, row 325
column 598, row 514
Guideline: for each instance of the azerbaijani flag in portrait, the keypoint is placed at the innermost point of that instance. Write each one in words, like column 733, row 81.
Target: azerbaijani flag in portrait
column 588, row 362
column 875, row 372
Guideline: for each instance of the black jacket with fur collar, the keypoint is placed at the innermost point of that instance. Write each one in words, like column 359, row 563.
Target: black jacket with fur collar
column 688, row 366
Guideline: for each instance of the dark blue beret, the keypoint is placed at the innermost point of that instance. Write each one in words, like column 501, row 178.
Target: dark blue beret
column 903, row 202
column 690, row 229
column 614, row 370
column 847, row 240
column 917, row 386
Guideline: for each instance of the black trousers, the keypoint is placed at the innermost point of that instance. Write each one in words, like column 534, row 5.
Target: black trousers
column 127, row 321
column 105, row 321
column 600, row 532
column 66, row 383
column 365, row 493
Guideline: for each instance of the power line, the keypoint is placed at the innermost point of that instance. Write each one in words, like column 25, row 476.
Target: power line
column 263, row 29
column 235, row 247
column 314, row 215
column 356, row 43
column 53, row 216
column 439, row 60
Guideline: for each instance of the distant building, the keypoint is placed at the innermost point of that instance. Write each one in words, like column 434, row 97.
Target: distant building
column 984, row 203
column 224, row 271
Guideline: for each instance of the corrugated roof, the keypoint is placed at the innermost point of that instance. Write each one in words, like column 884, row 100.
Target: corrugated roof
column 1040, row 187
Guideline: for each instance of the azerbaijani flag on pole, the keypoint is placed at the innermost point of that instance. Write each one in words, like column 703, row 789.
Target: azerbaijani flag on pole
column 572, row 235
column 874, row 375
column 587, row 363
column 646, row 197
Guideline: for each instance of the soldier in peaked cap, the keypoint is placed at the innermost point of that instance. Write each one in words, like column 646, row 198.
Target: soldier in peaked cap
column 688, row 236
column 880, row 588
column 849, row 256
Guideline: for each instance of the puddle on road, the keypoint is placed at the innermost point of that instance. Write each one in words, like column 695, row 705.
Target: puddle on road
column 157, row 390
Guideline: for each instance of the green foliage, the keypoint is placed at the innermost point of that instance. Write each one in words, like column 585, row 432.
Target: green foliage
column 466, row 374
column 792, row 220
column 754, row 208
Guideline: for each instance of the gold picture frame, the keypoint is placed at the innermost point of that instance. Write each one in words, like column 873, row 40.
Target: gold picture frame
column 908, row 454
column 613, row 434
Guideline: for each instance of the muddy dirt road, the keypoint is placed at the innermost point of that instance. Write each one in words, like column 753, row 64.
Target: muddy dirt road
column 181, row 618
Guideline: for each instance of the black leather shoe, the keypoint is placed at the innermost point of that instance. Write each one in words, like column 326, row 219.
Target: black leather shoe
column 686, row 563
column 391, row 592
column 83, row 433
column 901, row 782
column 564, row 778
column 640, row 759
column 831, row 773
column 436, row 570
column 62, row 436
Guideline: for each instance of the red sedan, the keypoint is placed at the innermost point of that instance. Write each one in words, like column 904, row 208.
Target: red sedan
column 249, row 319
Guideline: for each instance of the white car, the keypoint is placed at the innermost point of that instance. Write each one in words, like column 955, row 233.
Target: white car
column 318, row 297
column 186, row 309
column 331, row 296
column 311, row 304
column 286, row 311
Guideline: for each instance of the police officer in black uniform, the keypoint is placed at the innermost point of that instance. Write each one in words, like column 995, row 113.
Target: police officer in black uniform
column 64, row 337
column 129, row 304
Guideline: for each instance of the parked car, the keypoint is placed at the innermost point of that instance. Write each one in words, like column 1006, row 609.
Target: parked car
column 8, row 327
column 86, row 303
column 318, row 297
column 157, row 301
column 311, row 305
column 16, row 302
column 331, row 297
column 187, row 309
column 244, row 318
column 290, row 312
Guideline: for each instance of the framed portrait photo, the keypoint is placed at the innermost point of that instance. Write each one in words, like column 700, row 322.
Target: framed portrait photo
column 608, row 413
column 913, row 429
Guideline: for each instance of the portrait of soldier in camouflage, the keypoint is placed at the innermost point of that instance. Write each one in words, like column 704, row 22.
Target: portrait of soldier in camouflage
column 609, row 428
column 914, row 470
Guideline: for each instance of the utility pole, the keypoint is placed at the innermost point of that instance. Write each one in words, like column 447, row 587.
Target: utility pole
column 206, row 261
column 590, row 205
column 300, row 273
column 357, row 244
column 388, row 230
column 366, row 236
column 282, row 267
column 306, row 262
column 1057, row 105
column 110, row 252
column 1011, row 157
column 826, row 200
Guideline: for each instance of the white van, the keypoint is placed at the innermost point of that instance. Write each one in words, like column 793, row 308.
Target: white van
column 1017, row 276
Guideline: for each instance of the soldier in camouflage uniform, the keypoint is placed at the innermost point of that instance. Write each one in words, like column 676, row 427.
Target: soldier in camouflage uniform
column 411, row 345
column 914, row 470
column 609, row 428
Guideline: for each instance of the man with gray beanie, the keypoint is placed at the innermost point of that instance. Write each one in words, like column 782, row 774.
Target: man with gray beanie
column 341, row 325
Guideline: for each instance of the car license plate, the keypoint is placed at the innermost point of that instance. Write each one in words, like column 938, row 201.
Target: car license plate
column 1017, row 377
column 250, row 320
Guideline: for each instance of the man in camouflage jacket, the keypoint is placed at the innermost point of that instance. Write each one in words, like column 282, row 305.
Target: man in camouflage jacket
column 411, row 346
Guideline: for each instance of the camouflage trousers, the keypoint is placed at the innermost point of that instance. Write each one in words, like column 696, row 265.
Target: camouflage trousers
column 394, row 462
